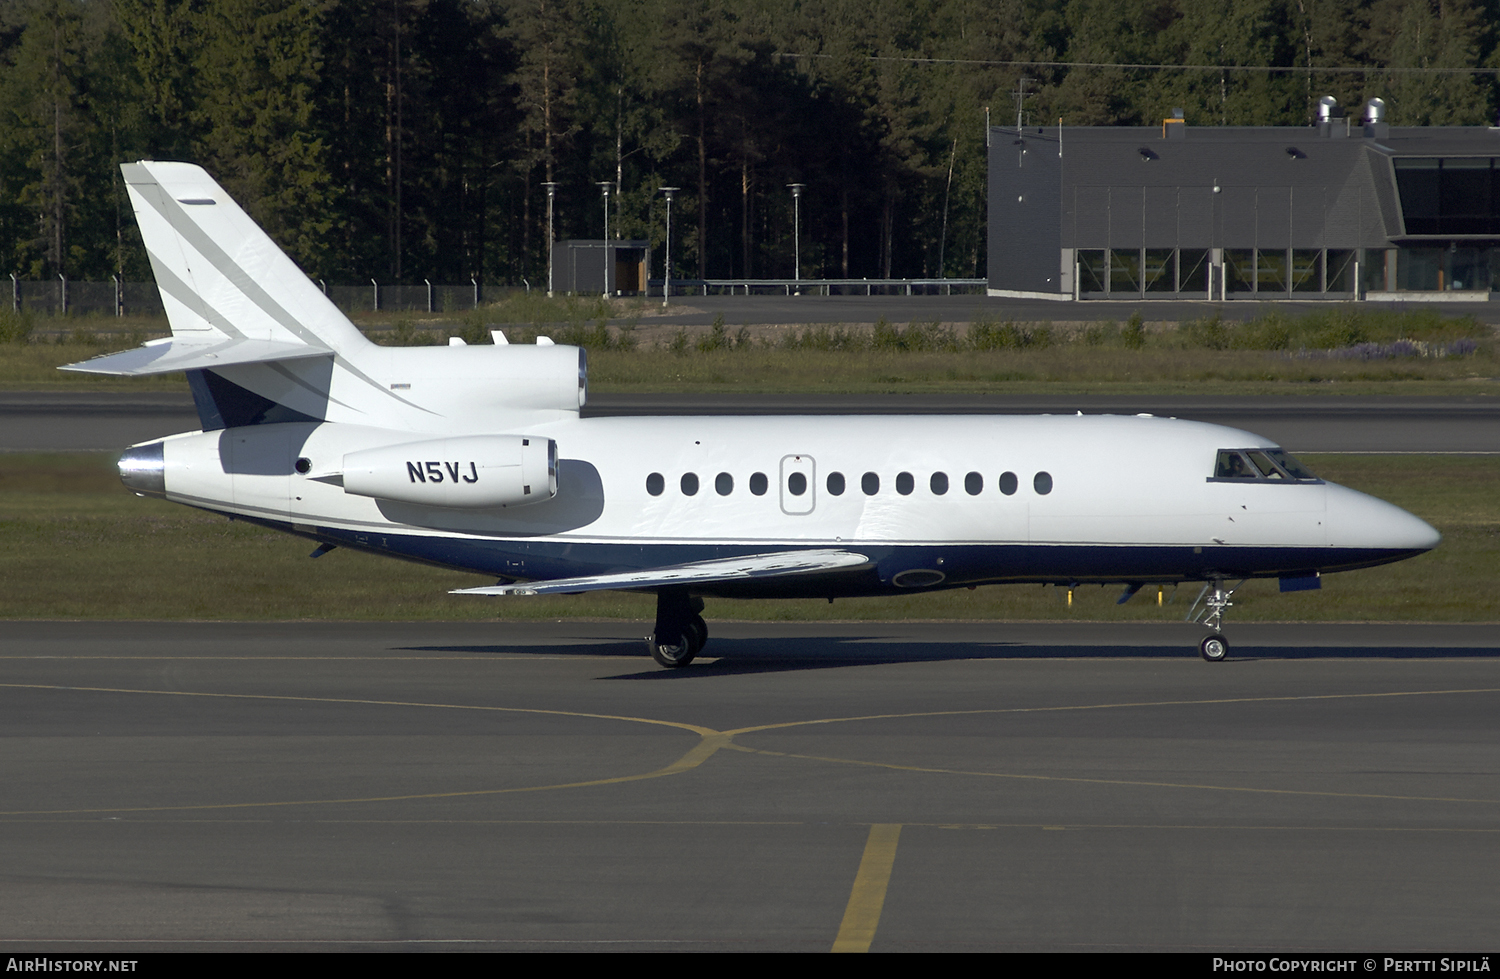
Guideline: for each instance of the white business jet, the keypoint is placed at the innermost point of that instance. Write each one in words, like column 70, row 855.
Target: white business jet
column 476, row 458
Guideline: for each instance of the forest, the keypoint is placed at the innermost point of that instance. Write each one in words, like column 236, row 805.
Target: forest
column 414, row 139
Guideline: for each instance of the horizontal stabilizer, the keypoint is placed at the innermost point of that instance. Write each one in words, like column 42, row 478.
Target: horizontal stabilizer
column 781, row 564
column 185, row 354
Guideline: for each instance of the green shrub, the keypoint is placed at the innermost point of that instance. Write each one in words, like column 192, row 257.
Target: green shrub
column 16, row 327
column 988, row 335
column 1209, row 332
column 1099, row 334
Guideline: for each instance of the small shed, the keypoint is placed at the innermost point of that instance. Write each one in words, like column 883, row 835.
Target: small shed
column 580, row 267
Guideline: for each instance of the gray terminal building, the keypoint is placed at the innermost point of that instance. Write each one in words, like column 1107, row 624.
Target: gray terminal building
column 1347, row 209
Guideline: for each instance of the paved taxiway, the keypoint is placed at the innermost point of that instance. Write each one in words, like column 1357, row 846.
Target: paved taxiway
column 545, row 786
column 84, row 422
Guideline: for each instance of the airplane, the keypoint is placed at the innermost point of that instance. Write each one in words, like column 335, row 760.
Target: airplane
column 476, row 458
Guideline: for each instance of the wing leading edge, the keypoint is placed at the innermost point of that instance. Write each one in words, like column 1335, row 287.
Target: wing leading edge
column 780, row 564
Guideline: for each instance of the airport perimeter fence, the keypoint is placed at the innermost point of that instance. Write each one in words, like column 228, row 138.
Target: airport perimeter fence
column 64, row 297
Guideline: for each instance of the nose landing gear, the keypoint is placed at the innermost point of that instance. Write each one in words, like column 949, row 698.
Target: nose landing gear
column 680, row 632
column 1214, row 647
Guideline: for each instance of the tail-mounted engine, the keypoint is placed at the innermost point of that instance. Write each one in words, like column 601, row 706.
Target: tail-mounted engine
column 469, row 472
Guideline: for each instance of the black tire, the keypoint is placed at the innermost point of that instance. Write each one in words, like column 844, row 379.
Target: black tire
column 697, row 633
column 1214, row 648
column 672, row 652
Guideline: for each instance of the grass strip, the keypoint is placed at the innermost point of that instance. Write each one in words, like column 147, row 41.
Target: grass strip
column 1340, row 350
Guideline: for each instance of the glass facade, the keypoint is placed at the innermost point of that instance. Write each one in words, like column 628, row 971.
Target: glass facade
column 1287, row 272
column 1449, row 195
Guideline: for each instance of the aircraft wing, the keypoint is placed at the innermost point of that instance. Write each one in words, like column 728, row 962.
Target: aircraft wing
column 780, row 564
column 176, row 354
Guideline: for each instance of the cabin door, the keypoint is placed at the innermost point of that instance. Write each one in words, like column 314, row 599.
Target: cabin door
column 798, row 486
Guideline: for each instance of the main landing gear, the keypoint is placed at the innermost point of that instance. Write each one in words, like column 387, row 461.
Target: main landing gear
column 680, row 631
column 1214, row 647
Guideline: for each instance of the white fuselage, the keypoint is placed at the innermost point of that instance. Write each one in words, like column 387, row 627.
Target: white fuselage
column 934, row 500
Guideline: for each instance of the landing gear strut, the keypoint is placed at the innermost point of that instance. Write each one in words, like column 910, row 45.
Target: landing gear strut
column 680, row 631
column 1214, row 647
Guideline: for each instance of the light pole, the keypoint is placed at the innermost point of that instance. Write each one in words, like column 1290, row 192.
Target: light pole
column 666, row 273
column 796, row 190
column 551, row 194
column 605, row 185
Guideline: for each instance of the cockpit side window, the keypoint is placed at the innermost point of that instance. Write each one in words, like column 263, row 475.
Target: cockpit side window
column 1293, row 468
column 1268, row 465
column 1232, row 465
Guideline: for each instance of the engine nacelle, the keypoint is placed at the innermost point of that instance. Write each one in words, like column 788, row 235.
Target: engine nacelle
column 468, row 472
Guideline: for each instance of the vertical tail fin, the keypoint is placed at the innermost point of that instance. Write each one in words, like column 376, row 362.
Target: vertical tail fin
column 218, row 272
column 231, row 295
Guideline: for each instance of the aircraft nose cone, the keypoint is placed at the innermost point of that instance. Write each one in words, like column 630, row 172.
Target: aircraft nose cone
column 1357, row 520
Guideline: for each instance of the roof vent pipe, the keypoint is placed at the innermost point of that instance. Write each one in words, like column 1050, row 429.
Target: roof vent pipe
column 1374, row 112
column 1327, row 106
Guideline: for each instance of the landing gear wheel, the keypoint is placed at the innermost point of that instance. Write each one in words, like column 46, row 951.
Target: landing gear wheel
column 1214, row 648
column 672, row 652
column 680, row 631
column 697, row 633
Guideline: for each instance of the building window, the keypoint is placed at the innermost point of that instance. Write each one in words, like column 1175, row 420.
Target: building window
column 1192, row 270
column 1449, row 196
column 1419, row 269
column 1340, row 265
column 1271, row 271
column 1307, row 270
column 1093, row 270
column 1239, row 269
column 1125, row 270
column 1160, row 270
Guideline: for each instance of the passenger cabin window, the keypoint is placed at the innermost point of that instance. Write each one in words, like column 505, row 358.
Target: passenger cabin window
column 1042, row 483
column 836, row 484
column 939, row 484
column 1260, row 465
column 973, row 484
column 758, row 484
column 724, row 484
column 655, row 483
column 870, row 483
column 689, row 484
column 796, row 484
column 1008, row 483
column 905, row 483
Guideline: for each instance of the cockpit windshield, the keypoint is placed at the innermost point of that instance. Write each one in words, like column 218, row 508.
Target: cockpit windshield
column 1269, row 465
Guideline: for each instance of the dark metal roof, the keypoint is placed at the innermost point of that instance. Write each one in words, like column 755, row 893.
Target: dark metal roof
column 1264, row 187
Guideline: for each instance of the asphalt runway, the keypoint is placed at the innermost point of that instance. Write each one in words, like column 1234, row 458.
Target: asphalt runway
column 901, row 787
column 86, row 422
